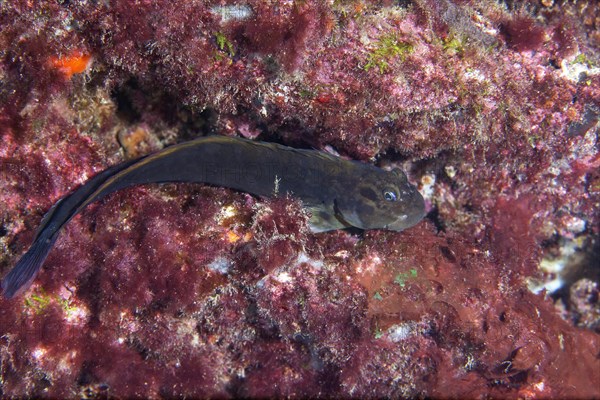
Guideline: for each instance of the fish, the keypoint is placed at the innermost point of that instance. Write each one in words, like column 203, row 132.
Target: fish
column 338, row 193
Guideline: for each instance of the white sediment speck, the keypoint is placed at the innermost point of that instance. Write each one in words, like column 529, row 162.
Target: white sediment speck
column 574, row 70
column 475, row 74
column 398, row 333
column 575, row 225
column 450, row 171
column 232, row 12
column 428, row 184
column 539, row 386
column 555, row 267
column 225, row 213
column 304, row 258
column 66, row 363
column 38, row 353
column 220, row 265
column 77, row 315
column 371, row 263
column 284, row 277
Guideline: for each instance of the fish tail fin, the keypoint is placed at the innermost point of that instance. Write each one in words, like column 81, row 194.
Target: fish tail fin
column 25, row 271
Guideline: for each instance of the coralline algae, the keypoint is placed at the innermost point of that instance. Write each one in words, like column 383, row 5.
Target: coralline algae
column 496, row 101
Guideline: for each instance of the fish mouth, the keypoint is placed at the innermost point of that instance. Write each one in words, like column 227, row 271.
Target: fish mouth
column 415, row 219
column 412, row 216
column 404, row 222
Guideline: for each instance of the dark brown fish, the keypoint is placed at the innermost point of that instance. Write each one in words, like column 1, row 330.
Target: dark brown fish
column 338, row 193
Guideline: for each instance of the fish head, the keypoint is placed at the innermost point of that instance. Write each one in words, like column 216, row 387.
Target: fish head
column 381, row 200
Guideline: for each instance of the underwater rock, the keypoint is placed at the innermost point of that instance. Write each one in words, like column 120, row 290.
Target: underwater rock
column 189, row 290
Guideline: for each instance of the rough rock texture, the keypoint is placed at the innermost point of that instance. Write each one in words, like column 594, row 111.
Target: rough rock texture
column 189, row 290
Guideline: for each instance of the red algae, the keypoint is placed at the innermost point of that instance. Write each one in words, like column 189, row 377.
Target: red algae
column 513, row 245
column 523, row 34
column 195, row 291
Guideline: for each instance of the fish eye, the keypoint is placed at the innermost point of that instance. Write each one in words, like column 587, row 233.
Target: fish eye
column 390, row 195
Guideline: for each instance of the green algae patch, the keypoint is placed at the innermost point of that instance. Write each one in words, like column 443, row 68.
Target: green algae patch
column 38, row 302
column 224, row 44
column 402, row 277
column 387, row 48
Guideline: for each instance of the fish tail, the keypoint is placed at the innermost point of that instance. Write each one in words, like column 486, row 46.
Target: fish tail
column 24, row 272
column 160, row 167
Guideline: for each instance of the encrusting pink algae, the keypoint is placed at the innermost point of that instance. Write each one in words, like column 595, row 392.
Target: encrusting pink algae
column 179, row 290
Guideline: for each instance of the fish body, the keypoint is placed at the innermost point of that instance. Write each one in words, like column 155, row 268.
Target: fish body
column 338, row 193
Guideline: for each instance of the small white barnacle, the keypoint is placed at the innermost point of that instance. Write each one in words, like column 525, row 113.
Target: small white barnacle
column 232, row 12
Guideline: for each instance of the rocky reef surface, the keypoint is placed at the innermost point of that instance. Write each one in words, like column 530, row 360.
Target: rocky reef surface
column 177, row 290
